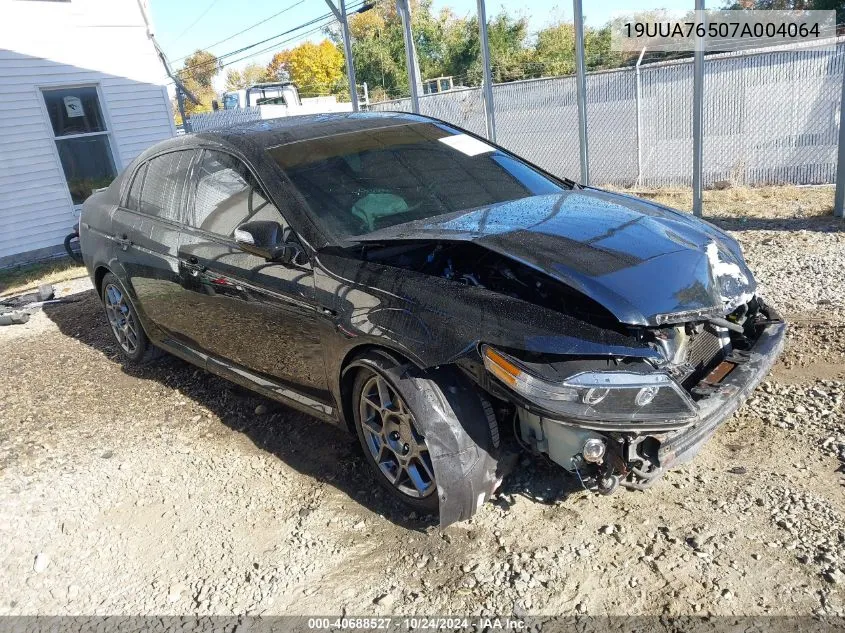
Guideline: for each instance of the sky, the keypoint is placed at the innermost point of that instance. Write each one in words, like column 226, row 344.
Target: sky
column 182, row 26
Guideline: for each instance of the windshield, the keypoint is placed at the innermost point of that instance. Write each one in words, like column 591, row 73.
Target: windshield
column 230, row 101
column 360, row 182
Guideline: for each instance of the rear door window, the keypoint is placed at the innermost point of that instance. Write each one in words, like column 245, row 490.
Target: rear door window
column 164, row 185
column 227, row 195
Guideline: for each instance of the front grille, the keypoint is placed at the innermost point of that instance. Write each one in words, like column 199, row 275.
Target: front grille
column 704, row 353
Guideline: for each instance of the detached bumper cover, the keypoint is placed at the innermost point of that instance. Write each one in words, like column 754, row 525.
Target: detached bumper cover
column 681, row 446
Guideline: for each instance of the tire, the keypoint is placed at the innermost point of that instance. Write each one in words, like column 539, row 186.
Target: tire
column 439, row 410
column 403, row 465
column 125, row 325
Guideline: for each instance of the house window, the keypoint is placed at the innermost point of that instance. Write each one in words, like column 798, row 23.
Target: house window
column 82, row 139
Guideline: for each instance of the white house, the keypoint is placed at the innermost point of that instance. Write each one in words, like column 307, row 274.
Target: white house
column 82, row 93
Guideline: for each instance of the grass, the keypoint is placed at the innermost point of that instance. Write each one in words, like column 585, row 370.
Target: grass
column 785, row 201
column 28, row 277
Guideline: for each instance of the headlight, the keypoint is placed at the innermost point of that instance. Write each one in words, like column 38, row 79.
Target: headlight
column 604, row 398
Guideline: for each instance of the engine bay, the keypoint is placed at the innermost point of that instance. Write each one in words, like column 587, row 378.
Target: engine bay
column 476, row 266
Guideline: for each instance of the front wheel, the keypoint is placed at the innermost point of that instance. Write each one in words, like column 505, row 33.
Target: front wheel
column 430, row 436
column 392, row 442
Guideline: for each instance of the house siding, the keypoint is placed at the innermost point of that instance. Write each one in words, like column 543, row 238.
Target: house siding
column 101, row 43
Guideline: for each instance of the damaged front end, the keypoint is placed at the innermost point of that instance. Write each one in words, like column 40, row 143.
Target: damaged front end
column 617, row 420
column 616, row 334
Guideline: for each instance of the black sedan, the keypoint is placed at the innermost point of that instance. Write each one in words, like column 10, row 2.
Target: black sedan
column 436, row 294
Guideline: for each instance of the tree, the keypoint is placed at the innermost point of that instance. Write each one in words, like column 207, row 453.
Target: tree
column 378, row 49
column 251, row 74
column 197, row 75
column 792, row 5
column 510, row 58
column 831, row 5
column 449, row 45
column 555, row 50
column 316, row 69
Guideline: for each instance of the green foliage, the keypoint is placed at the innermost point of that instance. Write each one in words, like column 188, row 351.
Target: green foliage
column 449, row 45
column 316, row 69
column 446, row 45
column 792, row 5
column 251, row 74
column 197, row 75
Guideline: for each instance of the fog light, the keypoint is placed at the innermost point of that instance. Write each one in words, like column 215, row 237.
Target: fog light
column 593, row 451
column 645, row 396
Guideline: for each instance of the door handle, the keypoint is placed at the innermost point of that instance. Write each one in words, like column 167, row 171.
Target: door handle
column 124, row 241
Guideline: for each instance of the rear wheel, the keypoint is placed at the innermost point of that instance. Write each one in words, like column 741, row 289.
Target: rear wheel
column 393, row 445
column 123, row 319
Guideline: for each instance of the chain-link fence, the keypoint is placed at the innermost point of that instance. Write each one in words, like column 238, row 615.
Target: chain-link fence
column 223, row 118
column 770, row 118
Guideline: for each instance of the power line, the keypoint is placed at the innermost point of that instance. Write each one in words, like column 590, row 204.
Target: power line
column 195, row 67
column 194, row 23
column 249, row 28
column 277, row 44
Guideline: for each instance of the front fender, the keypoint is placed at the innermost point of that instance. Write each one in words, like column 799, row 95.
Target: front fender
column 459, row 428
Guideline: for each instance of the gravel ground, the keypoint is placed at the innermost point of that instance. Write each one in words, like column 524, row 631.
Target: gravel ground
column 166, row 490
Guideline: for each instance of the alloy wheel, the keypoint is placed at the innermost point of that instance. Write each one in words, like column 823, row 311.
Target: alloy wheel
column 121, row 318
column 395, row 444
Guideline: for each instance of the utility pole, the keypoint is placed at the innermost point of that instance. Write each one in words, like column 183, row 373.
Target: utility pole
column 180, row 87
column 180, row 102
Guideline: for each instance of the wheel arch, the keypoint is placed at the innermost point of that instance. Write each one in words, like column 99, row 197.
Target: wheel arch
column 350, row 366
column 462, row 431
column 99, row 274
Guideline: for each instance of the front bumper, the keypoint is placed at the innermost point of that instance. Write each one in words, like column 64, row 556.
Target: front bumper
column 681, row 446
column 640, row 457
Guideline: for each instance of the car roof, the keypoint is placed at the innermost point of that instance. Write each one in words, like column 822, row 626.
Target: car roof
column 261, row 135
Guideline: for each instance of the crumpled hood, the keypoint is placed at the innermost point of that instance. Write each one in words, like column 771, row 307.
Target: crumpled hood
column 638, row 259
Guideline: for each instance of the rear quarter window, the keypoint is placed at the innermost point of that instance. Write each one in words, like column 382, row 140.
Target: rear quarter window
column 164, row 185
column 133, row 200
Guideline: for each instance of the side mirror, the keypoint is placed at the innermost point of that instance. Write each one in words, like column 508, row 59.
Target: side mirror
column 269, row 240
column 214, row 105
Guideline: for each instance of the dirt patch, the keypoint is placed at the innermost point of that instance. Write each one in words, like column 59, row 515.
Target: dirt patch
column 740, row 203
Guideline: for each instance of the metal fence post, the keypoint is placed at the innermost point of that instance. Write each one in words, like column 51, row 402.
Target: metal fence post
column 347, row 49
column 581, row 89
column 839, row 197
column 414, row 82
column 698, row 116
column 350, row 64
column 487, row 88
column 638, row 87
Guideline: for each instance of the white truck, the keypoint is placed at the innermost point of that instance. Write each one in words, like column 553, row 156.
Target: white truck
column 283, row 95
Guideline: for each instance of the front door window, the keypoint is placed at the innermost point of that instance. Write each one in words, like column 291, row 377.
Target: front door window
column 82, row 139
